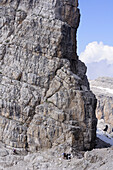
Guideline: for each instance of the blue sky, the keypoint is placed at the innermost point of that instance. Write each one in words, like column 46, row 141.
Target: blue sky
column 96, row 24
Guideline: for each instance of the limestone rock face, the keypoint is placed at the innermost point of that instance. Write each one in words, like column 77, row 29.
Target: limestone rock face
column 103, row 89
column 45, row 98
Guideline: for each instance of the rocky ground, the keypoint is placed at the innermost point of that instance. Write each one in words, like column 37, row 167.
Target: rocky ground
column 52, row 159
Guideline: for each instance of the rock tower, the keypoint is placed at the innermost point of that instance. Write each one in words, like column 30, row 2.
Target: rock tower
column 45, row 98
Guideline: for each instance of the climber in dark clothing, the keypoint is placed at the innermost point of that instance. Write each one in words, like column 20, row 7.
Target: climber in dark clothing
column 106, row 128
column 66, row 156
column 14, row 151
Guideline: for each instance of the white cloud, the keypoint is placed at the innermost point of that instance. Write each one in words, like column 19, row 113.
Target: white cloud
column 96, row 52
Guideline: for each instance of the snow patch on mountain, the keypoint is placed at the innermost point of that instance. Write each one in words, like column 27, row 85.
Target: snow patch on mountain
column 104, row 136
column 105, row 89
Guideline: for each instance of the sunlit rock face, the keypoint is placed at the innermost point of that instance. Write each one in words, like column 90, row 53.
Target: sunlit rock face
column 45, row 98
column 103, row 89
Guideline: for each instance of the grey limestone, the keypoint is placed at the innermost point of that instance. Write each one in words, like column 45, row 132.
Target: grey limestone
column 45, row 99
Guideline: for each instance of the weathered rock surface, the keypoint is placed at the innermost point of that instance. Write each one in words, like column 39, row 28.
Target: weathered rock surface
column 103, row 89
column 45, row 98
column 98, row 159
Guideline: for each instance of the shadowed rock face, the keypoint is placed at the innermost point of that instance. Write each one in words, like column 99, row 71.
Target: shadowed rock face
column 45, row 98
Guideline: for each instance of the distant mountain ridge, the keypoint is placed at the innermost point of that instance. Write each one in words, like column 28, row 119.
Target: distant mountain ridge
column 103, row 89
column 102, row 68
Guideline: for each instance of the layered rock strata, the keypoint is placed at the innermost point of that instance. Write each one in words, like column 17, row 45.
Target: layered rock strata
column 103, row 89
column 45, row 98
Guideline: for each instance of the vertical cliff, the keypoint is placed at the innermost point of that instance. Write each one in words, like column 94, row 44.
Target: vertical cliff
column 45, row 98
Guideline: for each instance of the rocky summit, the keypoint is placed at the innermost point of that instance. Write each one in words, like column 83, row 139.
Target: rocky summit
column 45, row 99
